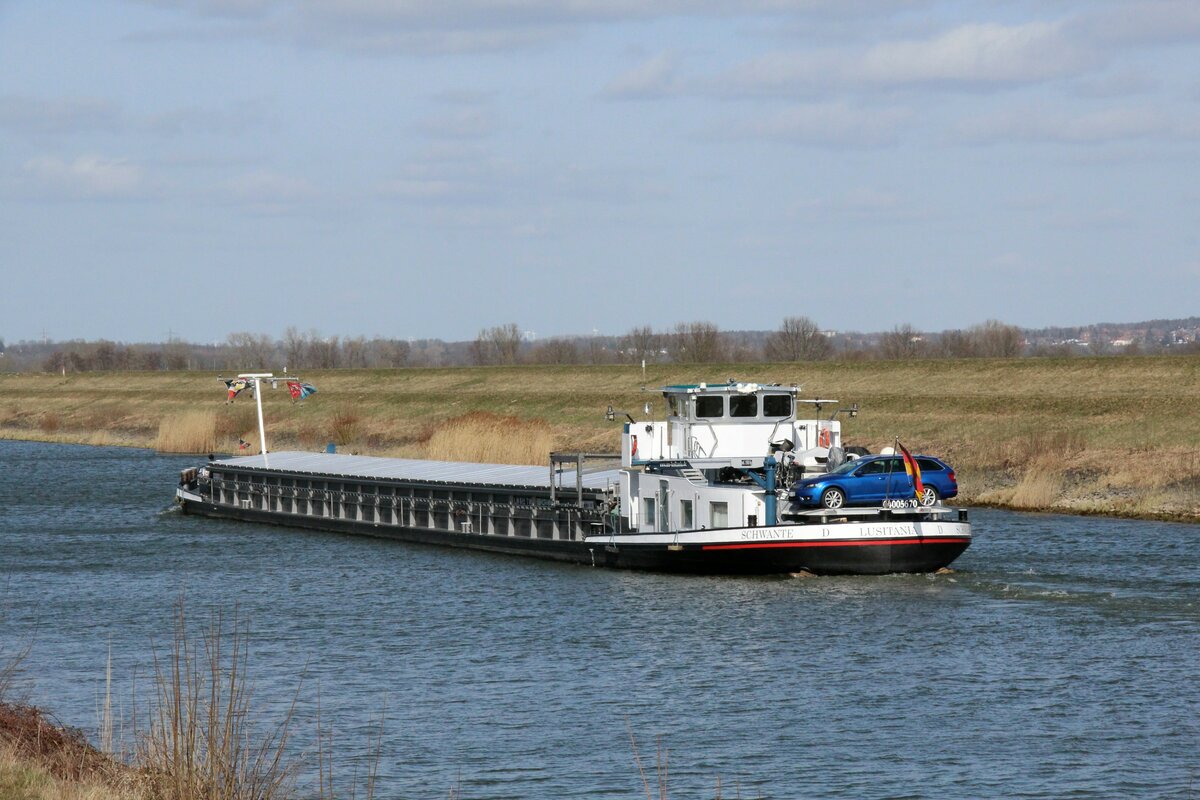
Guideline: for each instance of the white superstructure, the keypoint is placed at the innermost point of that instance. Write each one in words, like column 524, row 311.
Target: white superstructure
column 721, row 455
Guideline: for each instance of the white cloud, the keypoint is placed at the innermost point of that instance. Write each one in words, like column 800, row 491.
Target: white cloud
column 863, row 204
column 654, row 78
column 43, row 116
column 1103, row 219
column 220, row 8
column 1039, row 124
column 1142, row 22
column 834, row 125
column 436, row 26
column 460, row 177
column 421, row 188
column 265, row 186
column 977, row 56
column 459, row 123
column 234, row 118
column 425, row 41
column 86, row 176
column 1121, row 83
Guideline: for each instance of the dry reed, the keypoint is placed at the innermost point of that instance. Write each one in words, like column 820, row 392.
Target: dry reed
column 491, row 439
column 1040, row 486
column 190, row 432
column 103, row 417
column 345, row 427
column 202, row 742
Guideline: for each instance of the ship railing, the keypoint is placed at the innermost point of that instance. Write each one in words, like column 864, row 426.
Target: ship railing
column 558, row 462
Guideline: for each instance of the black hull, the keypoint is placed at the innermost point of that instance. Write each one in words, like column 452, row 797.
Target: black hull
column 849, row 559
column 853, row 557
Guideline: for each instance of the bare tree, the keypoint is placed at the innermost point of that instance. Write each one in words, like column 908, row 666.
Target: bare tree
column 556, row 351
column 253, row 351
column 698, row 343
column 994, row 339
column 177, row 355
column 391, row 353
column 498, row 345
column 598, row 352
column 150, row 360
column 105, row 356
column 323, row 353
column 641, row 343
column 294, row 347
column 956, row 344
column 798, row 339
column 901, row 342
column 354, row 352
column 55, row 362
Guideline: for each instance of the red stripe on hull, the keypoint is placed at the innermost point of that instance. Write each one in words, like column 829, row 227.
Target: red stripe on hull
column 841, row 543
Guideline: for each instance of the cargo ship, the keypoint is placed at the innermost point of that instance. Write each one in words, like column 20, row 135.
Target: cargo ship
column 705, row 490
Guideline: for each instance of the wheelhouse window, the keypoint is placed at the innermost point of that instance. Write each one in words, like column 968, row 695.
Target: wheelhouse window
column 672, row 405
column 743, row 405
column 718, row 515
column 710, row 405
column 777, row 405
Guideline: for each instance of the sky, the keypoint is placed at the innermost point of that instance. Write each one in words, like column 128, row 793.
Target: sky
column 429, row 168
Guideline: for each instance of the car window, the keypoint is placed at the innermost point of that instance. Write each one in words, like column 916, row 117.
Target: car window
column 844, row 468
column 928, row 465
column 883, row 466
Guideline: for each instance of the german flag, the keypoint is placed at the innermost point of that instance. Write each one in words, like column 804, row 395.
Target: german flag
column 914, row 472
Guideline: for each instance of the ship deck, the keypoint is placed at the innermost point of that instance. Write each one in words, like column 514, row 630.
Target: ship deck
column 408, row 470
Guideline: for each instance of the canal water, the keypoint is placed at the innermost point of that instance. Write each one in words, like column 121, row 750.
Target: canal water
column 1059, row 660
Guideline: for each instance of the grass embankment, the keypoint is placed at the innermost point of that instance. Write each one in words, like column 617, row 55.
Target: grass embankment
column 1114, row 435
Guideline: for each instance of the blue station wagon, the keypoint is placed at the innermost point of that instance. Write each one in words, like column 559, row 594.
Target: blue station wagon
column 872, row 480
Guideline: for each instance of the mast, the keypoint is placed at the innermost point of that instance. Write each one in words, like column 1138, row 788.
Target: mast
column 262, row 431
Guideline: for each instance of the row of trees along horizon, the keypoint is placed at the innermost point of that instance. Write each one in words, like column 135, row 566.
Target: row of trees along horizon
column 796, row 339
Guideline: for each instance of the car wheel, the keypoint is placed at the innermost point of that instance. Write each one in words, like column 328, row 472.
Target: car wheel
column 833, row 497
column 930, row 496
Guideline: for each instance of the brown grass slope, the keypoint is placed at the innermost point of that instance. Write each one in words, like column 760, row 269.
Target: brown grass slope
column 43, row 760
column 1117, row 435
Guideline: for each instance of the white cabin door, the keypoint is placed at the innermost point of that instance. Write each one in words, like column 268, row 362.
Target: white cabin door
column 664, row 508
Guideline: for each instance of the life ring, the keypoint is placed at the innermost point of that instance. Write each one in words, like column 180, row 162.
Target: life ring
column 823, row 438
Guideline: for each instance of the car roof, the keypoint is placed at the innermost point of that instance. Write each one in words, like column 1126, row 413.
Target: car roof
column 877, row 456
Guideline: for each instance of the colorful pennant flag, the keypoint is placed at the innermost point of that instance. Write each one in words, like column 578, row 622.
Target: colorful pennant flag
column 299, row 390
column 235, row 386
column 914, row 472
